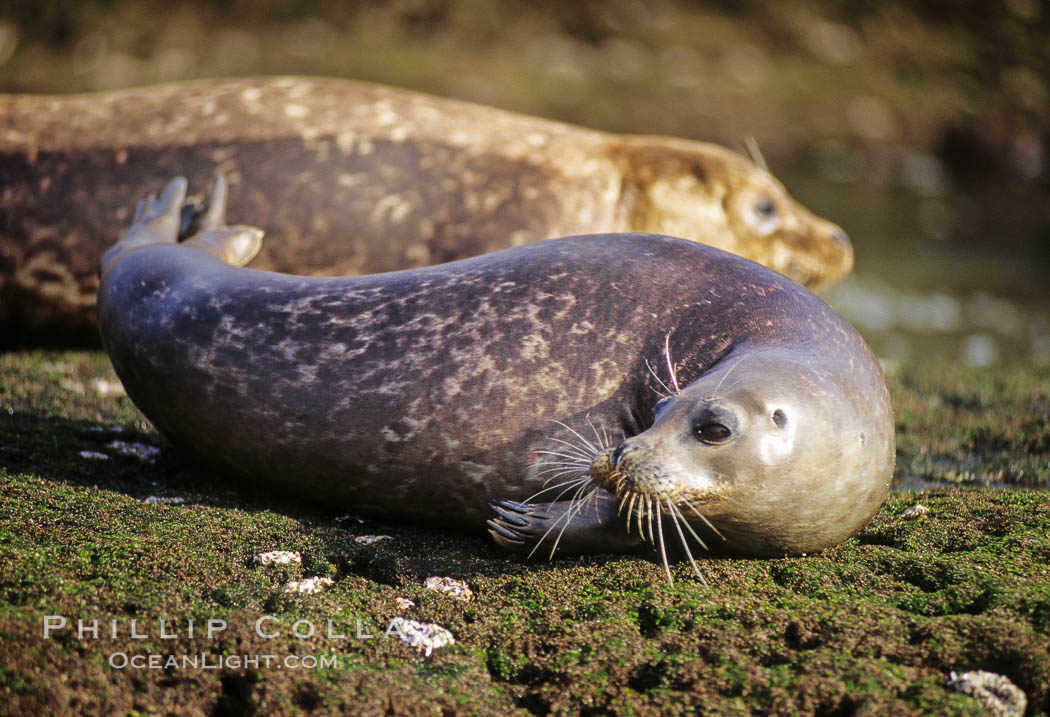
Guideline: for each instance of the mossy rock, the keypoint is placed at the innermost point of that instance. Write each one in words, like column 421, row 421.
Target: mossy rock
column 874, row 625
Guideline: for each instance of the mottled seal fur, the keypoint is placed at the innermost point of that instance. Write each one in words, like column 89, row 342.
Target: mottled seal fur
column 702, row 395
column 353, row 178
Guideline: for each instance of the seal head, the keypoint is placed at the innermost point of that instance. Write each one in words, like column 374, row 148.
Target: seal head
column 770, row 452
column 746, row 210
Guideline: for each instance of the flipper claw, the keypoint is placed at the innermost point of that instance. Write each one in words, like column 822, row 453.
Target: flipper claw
column 215, row 215
column 508, row 516
column 571, row 527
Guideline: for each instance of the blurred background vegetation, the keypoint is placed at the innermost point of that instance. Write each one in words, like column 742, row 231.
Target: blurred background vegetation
column 922, row 127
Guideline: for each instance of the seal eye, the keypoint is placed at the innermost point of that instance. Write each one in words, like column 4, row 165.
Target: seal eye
column 780, row 418
column 711, row 432
column 765, row 208
column 763, row 215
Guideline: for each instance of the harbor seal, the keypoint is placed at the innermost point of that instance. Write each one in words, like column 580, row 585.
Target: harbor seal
column 353, row 178
column 424, row 395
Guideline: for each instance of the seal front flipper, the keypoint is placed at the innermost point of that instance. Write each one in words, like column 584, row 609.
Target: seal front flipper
column 579, row 527
column 200, row 215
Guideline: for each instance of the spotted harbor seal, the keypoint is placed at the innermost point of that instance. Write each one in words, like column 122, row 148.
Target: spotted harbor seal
column 352, row 178
column 699, row 395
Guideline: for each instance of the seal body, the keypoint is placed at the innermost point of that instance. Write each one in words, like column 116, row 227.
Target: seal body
column 353, row 178
column 425, row 394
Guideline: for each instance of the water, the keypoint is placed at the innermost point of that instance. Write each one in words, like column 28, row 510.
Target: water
column 961, row 274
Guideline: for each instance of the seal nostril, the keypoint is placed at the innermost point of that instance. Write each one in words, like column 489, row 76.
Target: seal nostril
column 619, row 453
column 841, row 237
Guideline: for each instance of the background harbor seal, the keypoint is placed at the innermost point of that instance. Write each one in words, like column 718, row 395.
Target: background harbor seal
column 424, row 395
column 351, row 178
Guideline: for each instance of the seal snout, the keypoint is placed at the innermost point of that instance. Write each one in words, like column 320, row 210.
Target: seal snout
column 839, row 236
column 603, row 468
column 650, row 497
column 629, row 468
column 609, row 469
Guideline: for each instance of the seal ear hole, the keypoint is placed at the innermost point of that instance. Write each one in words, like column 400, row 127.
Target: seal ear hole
column 780, row 419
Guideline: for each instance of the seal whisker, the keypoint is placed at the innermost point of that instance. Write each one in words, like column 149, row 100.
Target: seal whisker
column 545, row 534
column 575, row 508
column 597, row 436
column 659, row 380
column 567, row 485
column 573, row 475
column 567, row 516
column 649, row 509
column 602, row 439
column 663, row 550
column 675, row 515
column 577, row 434
column 561, row 467
column 730, row 386
column 641, row 514
column 560, row 455
column 726, row 375
column 680, row 514
column 592, row 498
column 579, row 450
column 704, row 518
column 563, row 460
column 582, row 482
column 555, row 472
column 563, row 474
column 755, row 153
column 547, row 483
column 630, row 512
column 670, row 364
column 561, row 478
column 570, row 483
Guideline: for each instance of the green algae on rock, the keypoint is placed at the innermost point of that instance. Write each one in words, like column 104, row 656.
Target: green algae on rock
column 878, row 623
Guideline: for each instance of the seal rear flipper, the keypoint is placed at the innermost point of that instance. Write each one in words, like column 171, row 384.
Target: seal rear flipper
column 156, row 221
column 162, row 221
column 200, row 215
column 235, row 245
column 578, row 527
